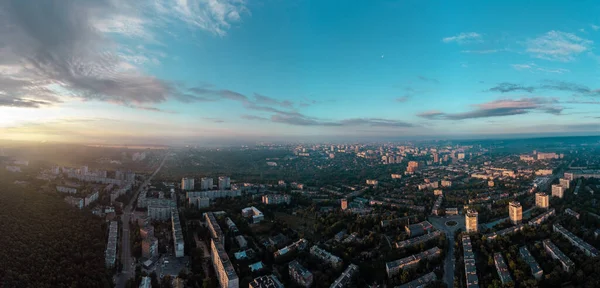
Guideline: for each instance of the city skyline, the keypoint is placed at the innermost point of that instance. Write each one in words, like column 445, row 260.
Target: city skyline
column 104, row 71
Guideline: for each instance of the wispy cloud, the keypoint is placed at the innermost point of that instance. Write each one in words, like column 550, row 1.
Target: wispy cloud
column 402, row 99
column 261, row 99
column 532, row 67
column 558, row 46
column 463, row 38
column 489, row 51
column 428, row 79
column 511, row 87
column 498, row 108
column 595, row 27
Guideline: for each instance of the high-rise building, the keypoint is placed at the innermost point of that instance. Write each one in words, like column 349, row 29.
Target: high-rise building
column 344, row 204
column 187, row 184
column 542, row 200
column 565, row 183
column 206, row 183
column 515, row 211
column 558, row 191
column 413, row 166
column 471, row 220
column 224, row 183
column 436, row 158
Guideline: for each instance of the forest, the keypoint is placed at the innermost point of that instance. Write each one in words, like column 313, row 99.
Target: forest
column 47, row 243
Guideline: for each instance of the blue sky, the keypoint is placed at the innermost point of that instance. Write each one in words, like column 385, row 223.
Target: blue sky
column 188, row 71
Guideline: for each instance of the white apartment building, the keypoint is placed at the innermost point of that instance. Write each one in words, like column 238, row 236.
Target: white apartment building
column 542, row 200
column 471, row 221
column 206, row 183
column 187, row 184
column 224, row 183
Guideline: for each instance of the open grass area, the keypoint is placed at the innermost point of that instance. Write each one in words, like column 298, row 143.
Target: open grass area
column 300, row 224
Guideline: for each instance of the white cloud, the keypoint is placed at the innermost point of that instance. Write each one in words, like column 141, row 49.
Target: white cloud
column 595, row 27
column 463, row 38
column 521, row 66
column 558, row 46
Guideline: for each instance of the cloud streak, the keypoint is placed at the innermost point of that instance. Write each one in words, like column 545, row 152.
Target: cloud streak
column 499, row 108
column 463, row 38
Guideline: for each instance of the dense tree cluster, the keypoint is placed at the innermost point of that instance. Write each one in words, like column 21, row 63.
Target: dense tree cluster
column 47, row 243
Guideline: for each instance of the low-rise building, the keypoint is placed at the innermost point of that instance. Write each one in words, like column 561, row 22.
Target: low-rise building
column 146, row 282
column 394, row 267
column 418, row 240
column 325, row 256
column 541, row 218
column 586, row 248
column 344, row 280
column 253, row 214
column 299, row 274
column 451, row 211
column 420, row 282
column 555, row 253
column 418, row 229
column 267, row 281
column 502, row 269
column 536, row 271
column 298, row 245
column 568, row 211
column 241, row 241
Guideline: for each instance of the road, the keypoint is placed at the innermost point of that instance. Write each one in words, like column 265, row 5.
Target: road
column 126, row 259
column 440, row 224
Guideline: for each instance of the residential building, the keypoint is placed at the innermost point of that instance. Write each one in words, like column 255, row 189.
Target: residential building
column 223, row 266
column 438, row 192
column 470, row 268
column 471, row 221
column 345, row 279
column 515, row 211
column 231, row 225
column 568, row 211
column 150, row 247
column 147, row 231
column 435, row 210
column 146, row 282
column 267, row 281
column 418, row 240
column 214, row 228
column 394, row 267
column 110, row 254
column 199, row 202
column 502, row 269
column 558, row 191
column 325, row 256
column 206, row 183
column 555, row 253
column 253, row 214
column 504, row 232
column 159, row 212
column 413, row 166
column 187, row 184
column 214, row 194
column 565, row 183
column 66, row 189
column 241, row 241
column 536, row 271
column 418, row 229
column 298, row 245
column 224, row 183
column 74, row 201
column 420, row 282
column 396, row 176
column 542, row 200
column 446, row 183
column 275, row 199
column 541, row 218
column 344, row 204
column 586, row 248
column 451, row 211
column 299, row 274
column 178, row 242
column 372, row 182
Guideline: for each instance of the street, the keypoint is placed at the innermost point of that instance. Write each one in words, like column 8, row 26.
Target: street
column 128, row 270
column 440, row 224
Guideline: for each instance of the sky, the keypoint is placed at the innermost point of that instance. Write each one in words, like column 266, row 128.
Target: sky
column 191, row 71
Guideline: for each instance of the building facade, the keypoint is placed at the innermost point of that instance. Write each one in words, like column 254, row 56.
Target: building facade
column 515, row 211
column 558, row 191
column 187, row 184
column 472, row 221
column 299, row 274
column 542, row 200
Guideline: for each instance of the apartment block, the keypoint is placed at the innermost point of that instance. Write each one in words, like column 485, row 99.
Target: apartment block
column 298, row 245
column 502, row 269
column 394, row 267
column 223, row 267
column 570, row 212
column 253, row 214
column 110, row 254
column 325, row 256
column 558, row 191
column 470, row 268
column 541, row 218
column 586, row 248
column 299, row 274
column 536, row 271
column 267, row 281
column 187, row 184
column 555, row 253
column 420, row 282
column 418, row 240
column 471, row 221
column 276, row 199
column 345, row 279
column 542, row 200
column 565, row 183
column 418, row 229
column 224, row 183
column 150, row 247
column 178, row 242
column 515, row 211
column 206, row 183
column 214, row 228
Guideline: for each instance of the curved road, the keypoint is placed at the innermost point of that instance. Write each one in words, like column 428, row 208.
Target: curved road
column 126, row 259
